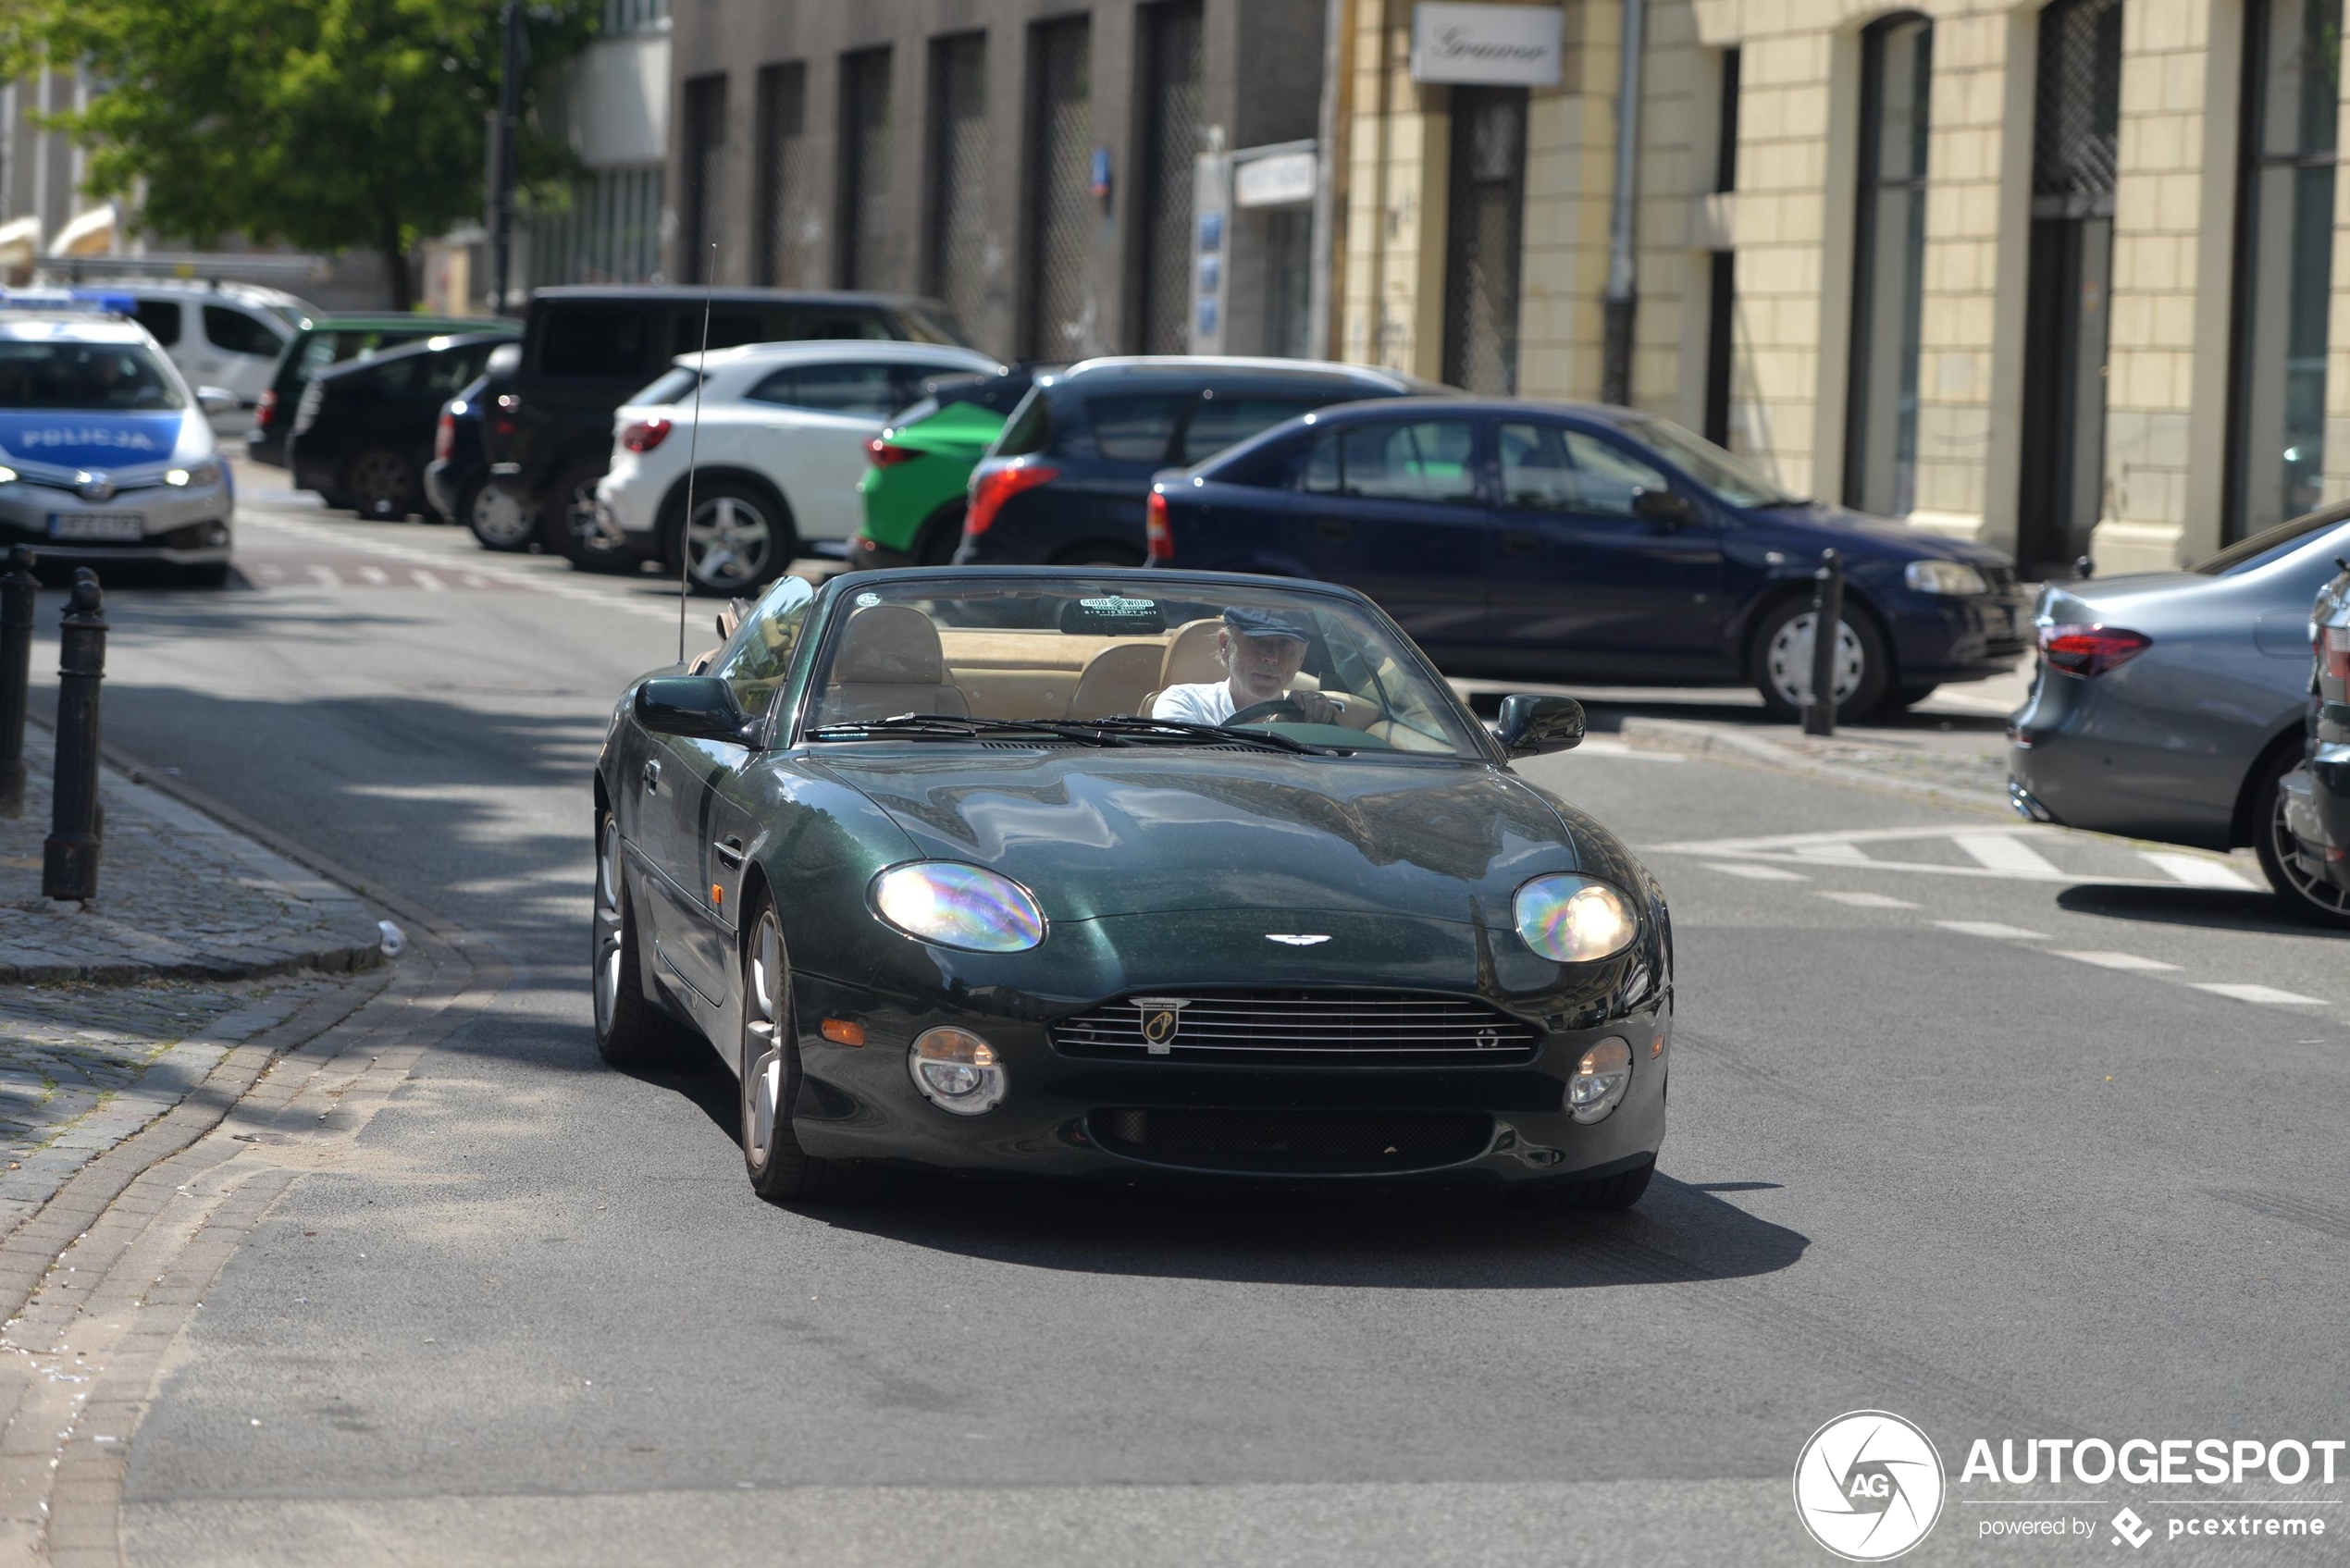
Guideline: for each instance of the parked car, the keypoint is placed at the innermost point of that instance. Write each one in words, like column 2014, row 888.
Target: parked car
column 328, row 340
column 1066, row 478
column 780, row 444
column 1570, row 541
column 914, row 861
column 364, row 432
column 916, row 488
column 2313, row 845
column 586, row 349
column 225, row 335
column 2170, row 705
column 457, row 479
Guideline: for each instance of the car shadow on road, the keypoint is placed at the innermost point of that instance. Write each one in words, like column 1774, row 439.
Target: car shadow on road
column 2212, row 908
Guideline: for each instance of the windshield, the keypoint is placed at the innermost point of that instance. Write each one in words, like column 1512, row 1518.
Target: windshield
column 84, row 376
column 2268, row 544
column 1157, row 663
column 1724, row 473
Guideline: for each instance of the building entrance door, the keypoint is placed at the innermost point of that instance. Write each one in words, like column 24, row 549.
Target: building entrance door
column 2071, row 271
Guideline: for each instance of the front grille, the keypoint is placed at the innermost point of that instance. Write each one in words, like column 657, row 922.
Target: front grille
column 1385, row 1027
column 2001, row 578
column 1294, row 1142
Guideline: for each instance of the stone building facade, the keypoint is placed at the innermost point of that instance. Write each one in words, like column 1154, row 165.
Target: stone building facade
column 2063, row 277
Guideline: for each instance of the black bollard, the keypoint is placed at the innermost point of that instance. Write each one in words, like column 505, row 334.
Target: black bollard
column 69, row 859
column 18, row 591
column 1827, row 620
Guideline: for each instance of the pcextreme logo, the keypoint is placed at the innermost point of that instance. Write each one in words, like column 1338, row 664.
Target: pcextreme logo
column 1868, row 1486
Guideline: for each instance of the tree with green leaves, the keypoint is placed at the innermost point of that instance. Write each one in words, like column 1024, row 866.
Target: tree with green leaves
column 325, row 124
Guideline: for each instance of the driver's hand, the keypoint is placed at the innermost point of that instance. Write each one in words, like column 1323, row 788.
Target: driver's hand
column 1317, row 709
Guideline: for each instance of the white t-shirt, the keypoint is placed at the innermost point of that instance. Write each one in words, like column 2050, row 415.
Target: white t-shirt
column 1203, row 703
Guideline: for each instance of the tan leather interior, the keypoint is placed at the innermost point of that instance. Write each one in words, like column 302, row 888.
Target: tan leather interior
column 1118, row 680
column 889, row 663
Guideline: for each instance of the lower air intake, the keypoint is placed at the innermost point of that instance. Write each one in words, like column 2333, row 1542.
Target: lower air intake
column 1295, row 1142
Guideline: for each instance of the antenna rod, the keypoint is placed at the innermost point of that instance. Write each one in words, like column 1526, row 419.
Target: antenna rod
column 693, row 453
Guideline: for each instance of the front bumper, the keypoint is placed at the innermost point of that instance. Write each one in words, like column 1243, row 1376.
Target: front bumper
column 188, row 526
column 266, row 447
column 1943, row 638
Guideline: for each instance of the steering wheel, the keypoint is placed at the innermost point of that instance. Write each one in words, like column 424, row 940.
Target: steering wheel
column 1280, row 707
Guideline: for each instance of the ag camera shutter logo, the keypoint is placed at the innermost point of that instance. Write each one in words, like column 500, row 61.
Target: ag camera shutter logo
column 1868, row 1486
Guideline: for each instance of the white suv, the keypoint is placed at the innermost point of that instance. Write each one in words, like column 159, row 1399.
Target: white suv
column 784, row 434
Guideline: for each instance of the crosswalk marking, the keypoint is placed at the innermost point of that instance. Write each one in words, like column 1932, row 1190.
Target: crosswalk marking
column 375, row 575
column 1993, row 930
column 327, row 576
column 269, row 571
column 1755, row 874
column 2268, row 993
column 2005, row 852
column 2197, row 872
column 427, row 581
column 1868, row 900
column 2116, row 960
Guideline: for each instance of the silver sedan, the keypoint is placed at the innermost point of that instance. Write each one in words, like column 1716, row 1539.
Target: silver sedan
column 2167, row 704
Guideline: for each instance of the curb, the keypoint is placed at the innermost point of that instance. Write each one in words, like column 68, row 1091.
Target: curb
column 1708, row 740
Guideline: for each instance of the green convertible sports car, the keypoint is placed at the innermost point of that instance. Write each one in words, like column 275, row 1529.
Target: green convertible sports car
column 1123, row 874
column 914, row 490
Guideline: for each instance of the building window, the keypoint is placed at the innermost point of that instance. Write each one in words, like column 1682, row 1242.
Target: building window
column 957, row 269
column 607, row 231
column 783, row 177
column 705, row 155
column 1485, row 210
column 864, row 167
column 1063, row 216
column 1889, row 267
column 1721, row 305
column 2285, row 260
column 635, row 16
column 1171, row 37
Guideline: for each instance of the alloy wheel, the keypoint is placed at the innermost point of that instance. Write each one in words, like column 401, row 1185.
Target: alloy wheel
column 611, row 951
column 2285, row 849
column 764, row 1029
column 498, row 518
column 1788, row 660
column 728, row 543
column 380, row 485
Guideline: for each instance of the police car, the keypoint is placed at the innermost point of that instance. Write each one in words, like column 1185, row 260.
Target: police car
column 105, row 455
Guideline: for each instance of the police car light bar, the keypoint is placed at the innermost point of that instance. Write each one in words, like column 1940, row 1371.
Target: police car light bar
column 81, row 302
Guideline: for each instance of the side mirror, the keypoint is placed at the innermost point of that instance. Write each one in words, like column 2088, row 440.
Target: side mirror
column 697, row 707
column 218, row 400
column 1668, row 509
column 1532, row 725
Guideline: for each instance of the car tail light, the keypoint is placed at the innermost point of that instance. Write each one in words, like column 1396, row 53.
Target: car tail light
column 1159, row 541
column 2334, row 644
column 444, row 436
column 884, row 455
column 991, row 489
column 265, row 411
column 645, row 435
column 2090, row 650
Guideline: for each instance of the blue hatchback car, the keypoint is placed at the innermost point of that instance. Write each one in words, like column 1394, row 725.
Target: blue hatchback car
column 1589, row 543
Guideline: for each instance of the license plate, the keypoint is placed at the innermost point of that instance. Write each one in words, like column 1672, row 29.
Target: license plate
column 114, row 526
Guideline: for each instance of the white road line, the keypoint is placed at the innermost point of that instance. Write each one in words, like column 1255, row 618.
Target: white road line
column 2005, row 852
column 1842, row 851
column 474, row 580
column 2268, row 993
column 427, row 581
column 2116, row 960
column 1868, row 900
column 269, row 571
column 327, row 577
column 545, row 582
column 2197, row 872
column 1993, row 930
column 1755, row 874
column 1596, row 745
column 375, row 575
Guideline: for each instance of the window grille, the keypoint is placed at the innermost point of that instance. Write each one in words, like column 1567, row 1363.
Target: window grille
column 1064, row 218
column 959, row 207
column 864, row 166
column 1173, row 32
column 1482, row 237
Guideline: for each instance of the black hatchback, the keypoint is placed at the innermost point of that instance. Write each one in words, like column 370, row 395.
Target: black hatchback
column 1066, row 481
column 364, row 432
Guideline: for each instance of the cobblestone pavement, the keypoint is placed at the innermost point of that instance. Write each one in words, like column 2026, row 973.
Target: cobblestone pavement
column 83, row 1066
column 179, row 895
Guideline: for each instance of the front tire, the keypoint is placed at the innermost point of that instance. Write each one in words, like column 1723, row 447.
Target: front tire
column 496, row 517
column 2307, row 894
column 214, row 575
column 780, row 1170
column 632, row 1033
column 1780, row 659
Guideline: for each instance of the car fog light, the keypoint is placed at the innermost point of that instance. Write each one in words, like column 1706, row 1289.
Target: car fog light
column 957, row 1071
column 1600, row 1079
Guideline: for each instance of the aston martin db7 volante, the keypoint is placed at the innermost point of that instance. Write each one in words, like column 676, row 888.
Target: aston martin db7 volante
column 1123, row 874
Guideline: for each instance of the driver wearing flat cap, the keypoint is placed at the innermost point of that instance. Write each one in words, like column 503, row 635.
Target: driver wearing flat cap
column 1261, row 651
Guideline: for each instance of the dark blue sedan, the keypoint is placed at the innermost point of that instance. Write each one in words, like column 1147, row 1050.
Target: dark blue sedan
column 1580, row 542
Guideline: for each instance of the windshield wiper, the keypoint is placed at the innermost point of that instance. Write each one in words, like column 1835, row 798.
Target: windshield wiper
column 947, row 726
column 1213, row 731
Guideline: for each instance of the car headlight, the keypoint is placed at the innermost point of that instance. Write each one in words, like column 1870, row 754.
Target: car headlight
column 1944, row 577
column 1574, row 919
column 7, row 475
column 1601, row 1078
column 956, row 1070
column 959, row 906
column 205, row 472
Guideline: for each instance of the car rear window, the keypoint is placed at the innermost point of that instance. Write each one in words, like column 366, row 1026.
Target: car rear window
column 673, row 387
column 1135, row 428
column 1029, row 429
column 594, row 340
column 1221, row 422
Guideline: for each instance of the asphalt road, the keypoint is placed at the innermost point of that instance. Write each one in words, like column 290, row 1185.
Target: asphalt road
column 1970, row 1128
